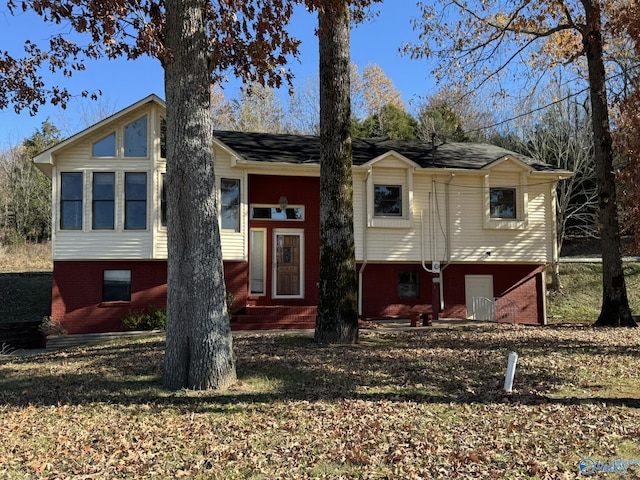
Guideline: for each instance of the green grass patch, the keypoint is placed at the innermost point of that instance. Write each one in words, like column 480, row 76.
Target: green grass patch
column 581, row 297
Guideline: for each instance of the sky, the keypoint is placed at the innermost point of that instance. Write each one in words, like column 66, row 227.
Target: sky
column 123, row 83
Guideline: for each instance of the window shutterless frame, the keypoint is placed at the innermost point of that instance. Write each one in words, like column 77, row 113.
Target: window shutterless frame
column 135, row 199
column 71, row 189
column 103, row 203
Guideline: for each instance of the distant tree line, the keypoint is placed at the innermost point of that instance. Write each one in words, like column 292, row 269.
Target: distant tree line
column 25, row 192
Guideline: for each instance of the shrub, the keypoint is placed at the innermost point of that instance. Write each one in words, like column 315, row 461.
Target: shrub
column 153, row 318
column 51, row 326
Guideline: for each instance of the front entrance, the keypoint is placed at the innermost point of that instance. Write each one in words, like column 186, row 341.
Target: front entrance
column 288, row 263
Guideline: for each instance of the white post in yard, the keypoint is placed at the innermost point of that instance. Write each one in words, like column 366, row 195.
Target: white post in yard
column 511, row 371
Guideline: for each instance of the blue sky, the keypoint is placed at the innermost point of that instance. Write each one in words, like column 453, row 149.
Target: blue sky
column 125, row 82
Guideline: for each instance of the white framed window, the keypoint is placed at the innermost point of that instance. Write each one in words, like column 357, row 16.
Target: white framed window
column 258, row 261
column 387, row 200
column 274, row 212
column 503, row 203
column 71, row 189
column 230, row 204
column 163, row 199
column 135, row 138
column 135, row 200
column 105, row 147
column 506, row 202
column 103, row 202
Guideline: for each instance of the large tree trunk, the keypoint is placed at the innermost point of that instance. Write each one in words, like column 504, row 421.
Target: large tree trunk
column 199, row 347
column 615, row 305
column 337, row 320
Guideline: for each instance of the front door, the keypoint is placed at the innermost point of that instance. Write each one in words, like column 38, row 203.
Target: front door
column 288, row 263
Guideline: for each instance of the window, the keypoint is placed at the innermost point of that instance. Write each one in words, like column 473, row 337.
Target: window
column 409, row 284
column 230, row 208
column 135, row 138
column 163, row 201
column 502, row 202
column 135, row 199
column 276, row 213
column 163, row 137
column 258, row 262
column 387, row 200
column 105, row 147
column 116, row 286
column 71, row 201
column 103, row 200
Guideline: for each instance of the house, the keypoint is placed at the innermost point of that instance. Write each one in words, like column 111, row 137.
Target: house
column 459, row 230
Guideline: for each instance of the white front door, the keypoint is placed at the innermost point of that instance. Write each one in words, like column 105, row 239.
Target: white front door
column 479, row 287
column 288, row 263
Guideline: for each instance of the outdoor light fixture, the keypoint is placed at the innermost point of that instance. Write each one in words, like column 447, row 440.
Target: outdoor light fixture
column 283, row 202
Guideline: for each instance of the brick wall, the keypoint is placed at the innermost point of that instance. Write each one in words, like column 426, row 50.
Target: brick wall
column 521, row 284
column 77, row 292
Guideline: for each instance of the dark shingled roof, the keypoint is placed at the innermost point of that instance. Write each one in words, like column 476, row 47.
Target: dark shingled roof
column 305, row 149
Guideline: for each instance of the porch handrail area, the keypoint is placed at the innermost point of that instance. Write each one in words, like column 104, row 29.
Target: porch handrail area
column 496, row 309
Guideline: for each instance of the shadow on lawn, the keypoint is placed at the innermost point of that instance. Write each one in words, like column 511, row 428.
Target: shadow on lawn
column 425, row 366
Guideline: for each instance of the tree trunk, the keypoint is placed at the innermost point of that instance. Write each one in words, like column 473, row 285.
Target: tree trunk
column 337, row 320
column 199, row 346
column 615, row 305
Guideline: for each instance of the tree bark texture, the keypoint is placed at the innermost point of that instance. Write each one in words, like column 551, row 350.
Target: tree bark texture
column 615, row 310
column 337, row 320
column 199, row 351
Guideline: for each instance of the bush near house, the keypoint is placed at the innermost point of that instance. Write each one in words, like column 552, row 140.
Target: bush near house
column 153, row 318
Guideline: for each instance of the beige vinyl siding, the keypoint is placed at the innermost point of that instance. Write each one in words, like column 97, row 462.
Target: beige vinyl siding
column 359, row 212
column 234, row 244
column 160, row 231
column 77, row 157
column 469, row 239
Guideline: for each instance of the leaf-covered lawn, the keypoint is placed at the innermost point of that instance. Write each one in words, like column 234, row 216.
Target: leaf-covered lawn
column 419, row 404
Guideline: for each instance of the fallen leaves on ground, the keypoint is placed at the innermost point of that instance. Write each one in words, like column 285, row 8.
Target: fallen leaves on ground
column 411, row 405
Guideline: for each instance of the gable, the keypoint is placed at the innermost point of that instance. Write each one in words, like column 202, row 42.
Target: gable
column 82, row 142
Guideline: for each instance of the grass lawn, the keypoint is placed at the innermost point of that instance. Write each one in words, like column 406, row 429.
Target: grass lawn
column 581, row 297
column 400, row 405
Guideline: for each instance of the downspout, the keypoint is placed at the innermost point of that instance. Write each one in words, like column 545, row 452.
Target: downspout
column 364, row 246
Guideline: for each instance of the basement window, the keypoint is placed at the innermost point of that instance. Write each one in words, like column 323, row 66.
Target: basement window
column 409, row 284
column 116, row 286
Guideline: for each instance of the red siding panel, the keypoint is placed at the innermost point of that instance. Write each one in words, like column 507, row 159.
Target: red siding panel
column 267, row 189
column 520, row 284
column 77, row 292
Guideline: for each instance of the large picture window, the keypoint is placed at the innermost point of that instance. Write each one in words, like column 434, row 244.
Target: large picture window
column 230, row 203
column 135, row 199
column 387, row 200
column 116, row 286
column 103, row 200
column 135, row 138
column 71, row 201
column 502, row 202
